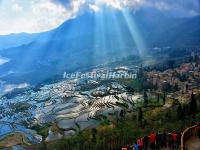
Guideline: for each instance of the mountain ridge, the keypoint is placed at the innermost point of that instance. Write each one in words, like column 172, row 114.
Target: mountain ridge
column 92, row 39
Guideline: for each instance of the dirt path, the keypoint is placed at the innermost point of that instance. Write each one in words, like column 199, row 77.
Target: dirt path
column 193, row 144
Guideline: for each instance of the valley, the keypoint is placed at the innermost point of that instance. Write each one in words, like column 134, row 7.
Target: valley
column 99, row 74
column 61, row 109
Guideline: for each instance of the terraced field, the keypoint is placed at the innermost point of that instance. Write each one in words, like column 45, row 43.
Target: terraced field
column 66, row 105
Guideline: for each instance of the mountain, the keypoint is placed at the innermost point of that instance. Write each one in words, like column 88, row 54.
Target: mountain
column 15, row 40
column 151, row 22
column 91, row 39
column 162, row 29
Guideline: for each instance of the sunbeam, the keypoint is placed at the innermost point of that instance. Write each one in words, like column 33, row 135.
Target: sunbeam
column 100, row 38
column 135, row 33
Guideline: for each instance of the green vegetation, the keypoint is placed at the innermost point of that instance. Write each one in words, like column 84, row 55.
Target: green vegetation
column 42, row 130
column 21, row 106
column 104, row 119
column 132, row 125
column 140, row 84
column 193, row 105
column 160, row 110
column 123, row 105
column 131, row 83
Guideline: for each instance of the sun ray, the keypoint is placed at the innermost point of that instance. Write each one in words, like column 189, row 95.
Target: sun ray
column 135, row 33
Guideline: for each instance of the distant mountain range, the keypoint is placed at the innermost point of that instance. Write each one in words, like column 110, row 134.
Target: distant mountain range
column 91, row 39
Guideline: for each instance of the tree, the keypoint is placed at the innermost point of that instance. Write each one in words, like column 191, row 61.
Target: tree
column 122, row 114
column 164, row 98
column 140, row 115
column 130, row 89
column 158, row 98
column 179, row 111
column 94, row 132
column 183, row 113
column 176, row 88
column 146, row 100
column 44, row 145
column 193, row 105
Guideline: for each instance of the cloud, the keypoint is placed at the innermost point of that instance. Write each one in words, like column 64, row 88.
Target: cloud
column 71, row 5
column 112, row 3
column 33, row 15
column 118, row 4
column 94, row 7
column 48, row 15
column 177, row 7
column 16, row 7
column 62, row 2
column 43, row 15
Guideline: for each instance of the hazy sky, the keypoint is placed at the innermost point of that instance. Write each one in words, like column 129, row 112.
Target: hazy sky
column 42, row 15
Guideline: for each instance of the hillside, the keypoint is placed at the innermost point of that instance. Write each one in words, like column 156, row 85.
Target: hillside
column 92, row 39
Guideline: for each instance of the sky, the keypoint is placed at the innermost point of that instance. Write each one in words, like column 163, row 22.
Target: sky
column 33, row 16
